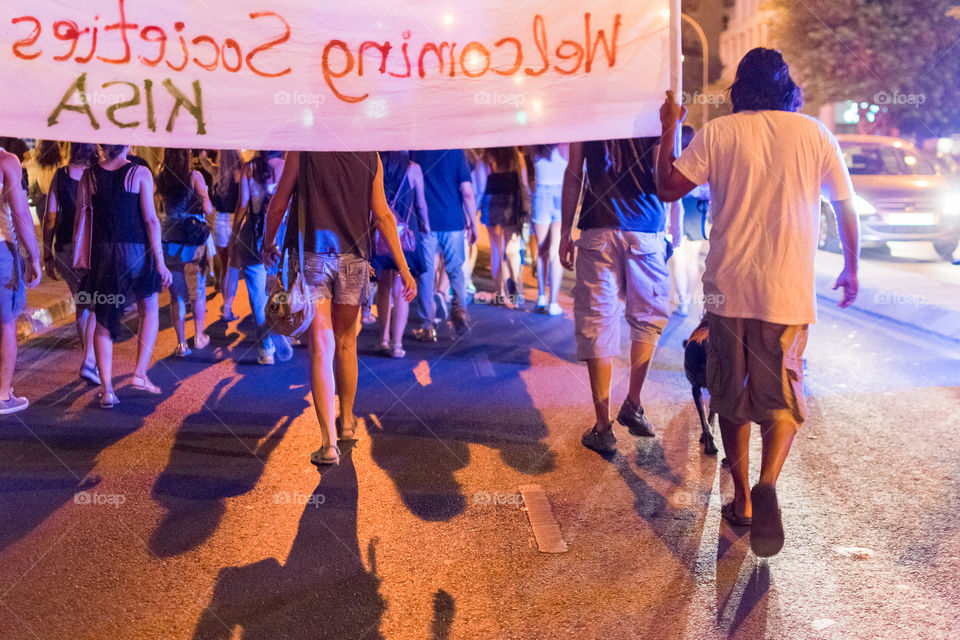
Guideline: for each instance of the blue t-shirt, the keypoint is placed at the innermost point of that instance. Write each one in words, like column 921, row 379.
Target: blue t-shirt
column 443, row 173
column 621, row 191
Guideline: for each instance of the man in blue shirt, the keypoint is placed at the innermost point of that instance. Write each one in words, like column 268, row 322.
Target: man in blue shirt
column 451, row 204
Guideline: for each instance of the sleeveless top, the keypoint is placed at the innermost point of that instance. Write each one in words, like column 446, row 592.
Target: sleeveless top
column 334, row 192
column 117, row 216
column 185, row 203
column 627, row 199
column 225, row 202
column 65, row 189
column 550, row 171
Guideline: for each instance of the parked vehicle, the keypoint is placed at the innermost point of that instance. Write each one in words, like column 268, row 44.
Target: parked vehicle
column 900, row 196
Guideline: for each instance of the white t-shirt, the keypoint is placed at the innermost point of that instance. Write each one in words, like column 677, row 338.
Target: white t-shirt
column 766, row 170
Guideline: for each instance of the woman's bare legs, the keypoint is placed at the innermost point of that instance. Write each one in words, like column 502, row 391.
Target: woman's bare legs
column 496, row 259
column 322, row 385
column 103, row 348
column 149, row 310
column 178, row 313
column 383, row 304
column 553, row 268
column 346, row 326
column 200, row 310
column 401, row 311
column 513, row 240
column 86, row 324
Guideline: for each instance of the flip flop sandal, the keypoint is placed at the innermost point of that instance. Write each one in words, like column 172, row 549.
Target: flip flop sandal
column 729, row 514
column 766, row 532
column 326, row 456
column 143, row 384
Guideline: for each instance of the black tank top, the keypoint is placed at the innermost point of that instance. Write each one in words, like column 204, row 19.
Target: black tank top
column 117, row 215
column 65, row 188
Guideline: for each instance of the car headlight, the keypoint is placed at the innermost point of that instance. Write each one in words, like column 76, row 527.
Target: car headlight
column 862, row 207
column 951, row 204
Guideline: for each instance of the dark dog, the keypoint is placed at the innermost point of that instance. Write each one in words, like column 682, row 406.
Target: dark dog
column 695, row 366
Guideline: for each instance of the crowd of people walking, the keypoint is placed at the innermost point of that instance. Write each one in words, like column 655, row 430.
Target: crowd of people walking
column 329, row 225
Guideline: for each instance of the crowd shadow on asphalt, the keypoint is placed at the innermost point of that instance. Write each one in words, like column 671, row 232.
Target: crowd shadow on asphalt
column 220, row 451
column 49, row 451
column 421, row 434
column 322, row 590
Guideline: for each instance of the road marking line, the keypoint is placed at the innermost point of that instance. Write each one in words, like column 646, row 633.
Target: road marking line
column 545, row 527
column 483, row 367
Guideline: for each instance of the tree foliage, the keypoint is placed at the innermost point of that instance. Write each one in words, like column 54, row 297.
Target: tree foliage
column 903, row 55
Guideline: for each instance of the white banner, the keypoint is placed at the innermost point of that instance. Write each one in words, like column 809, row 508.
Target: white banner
column 334, row 74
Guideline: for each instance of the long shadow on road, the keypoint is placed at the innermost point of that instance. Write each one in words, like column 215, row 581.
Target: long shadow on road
column 322, row 590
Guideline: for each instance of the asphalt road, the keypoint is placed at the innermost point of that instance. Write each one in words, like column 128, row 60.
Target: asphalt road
column 198, row 515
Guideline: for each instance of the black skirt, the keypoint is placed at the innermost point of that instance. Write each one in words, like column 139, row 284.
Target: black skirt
column 121, row 273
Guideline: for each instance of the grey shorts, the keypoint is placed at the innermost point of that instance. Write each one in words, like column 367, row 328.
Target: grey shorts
column 340, row 278
column 619, row 274
column 13, row 292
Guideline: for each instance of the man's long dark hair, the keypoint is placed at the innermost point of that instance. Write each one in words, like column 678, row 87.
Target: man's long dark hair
column 764, row 84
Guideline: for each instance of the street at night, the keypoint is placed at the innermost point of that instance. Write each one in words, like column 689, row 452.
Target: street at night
column 198, row 515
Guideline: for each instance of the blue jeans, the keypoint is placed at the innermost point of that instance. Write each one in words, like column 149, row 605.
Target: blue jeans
column 256, row 278
column 453, row 246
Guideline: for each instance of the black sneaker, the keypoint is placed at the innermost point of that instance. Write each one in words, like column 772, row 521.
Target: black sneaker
column 604, row 442
column 634, row 420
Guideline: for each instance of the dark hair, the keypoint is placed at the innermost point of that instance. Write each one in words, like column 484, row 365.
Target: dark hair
column 395, row 167
column 686, row 135
column 175, row 173
column 83, row 154
column 543, row 151
column 228, row 163
column 111, row 152
column 503, row 159
column 259, row 168
column 764, row 83
column 48, row 154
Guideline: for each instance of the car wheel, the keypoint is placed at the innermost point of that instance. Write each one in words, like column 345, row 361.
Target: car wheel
column 829, row 238
column 946, row 249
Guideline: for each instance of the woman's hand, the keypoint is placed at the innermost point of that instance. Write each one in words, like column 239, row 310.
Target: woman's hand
column 409, row 285
column 165, row 276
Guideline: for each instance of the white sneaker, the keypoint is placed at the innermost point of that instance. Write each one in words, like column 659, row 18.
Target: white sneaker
column 554, row 310
column 13, row 404
column 266, row 357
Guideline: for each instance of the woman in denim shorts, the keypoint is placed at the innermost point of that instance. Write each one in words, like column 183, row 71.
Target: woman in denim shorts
column 335, row 193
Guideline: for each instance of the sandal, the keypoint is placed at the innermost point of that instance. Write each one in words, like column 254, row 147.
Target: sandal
column 145, row 385
column 384, row 348
column 109, row 401
column 347, row 433
column 182, row 351
column 398, row 352
column 326, row 456
column 227, row 316
column 729, row 514
column 91, row 374
column 202, row 341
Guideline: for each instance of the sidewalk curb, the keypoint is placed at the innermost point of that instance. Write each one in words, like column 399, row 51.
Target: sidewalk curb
column 908, row 309
column 36, row 321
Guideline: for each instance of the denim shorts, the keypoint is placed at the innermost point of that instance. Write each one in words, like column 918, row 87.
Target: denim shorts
column 13, row 292
column 340, row 278
column 547, row 202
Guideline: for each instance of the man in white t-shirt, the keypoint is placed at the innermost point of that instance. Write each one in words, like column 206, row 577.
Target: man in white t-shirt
column 766, row 166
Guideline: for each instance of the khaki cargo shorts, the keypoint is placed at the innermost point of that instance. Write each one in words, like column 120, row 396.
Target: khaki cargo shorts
column 755, row 369
column 619, row 274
